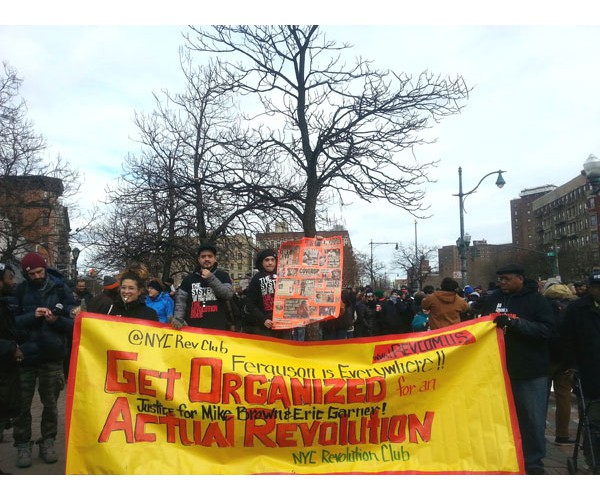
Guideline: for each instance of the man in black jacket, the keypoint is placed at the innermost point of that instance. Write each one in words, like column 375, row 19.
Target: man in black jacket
column 202, row 299
column 44, row 303
column 528, row 323
column 580, row 339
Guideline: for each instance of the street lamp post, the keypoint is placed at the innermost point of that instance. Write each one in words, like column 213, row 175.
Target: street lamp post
column 591, row 169
column 371, row 262
column 75, row 252
column 462, row 243
column 417, row 268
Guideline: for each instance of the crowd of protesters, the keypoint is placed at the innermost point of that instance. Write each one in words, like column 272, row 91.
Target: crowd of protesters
column 542, row 349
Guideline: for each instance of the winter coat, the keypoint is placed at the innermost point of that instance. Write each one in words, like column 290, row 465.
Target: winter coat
column 9, row 335
column 202, row 303
column 9, row 368
column 137, row 310
column 260, row 297
column 396, row 316
column 163, row 305
column 559, row 296
column 45, row 341
column 102, row 302
column 580, row 340
column 445, row 308
column 527, row 343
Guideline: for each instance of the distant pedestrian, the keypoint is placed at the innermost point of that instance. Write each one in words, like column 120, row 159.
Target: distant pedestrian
column 159, row 300
column 444, row 306
column 102, row 302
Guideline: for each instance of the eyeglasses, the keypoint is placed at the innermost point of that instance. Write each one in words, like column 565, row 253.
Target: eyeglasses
column 505, row 278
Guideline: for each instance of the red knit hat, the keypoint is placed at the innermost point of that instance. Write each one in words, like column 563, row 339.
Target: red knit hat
column 32, row 261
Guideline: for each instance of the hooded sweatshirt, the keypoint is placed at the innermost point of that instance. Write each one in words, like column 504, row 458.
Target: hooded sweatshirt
column 260, row 296
column 444, row 308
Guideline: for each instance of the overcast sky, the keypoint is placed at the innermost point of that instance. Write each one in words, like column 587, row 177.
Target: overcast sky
column 533, row 111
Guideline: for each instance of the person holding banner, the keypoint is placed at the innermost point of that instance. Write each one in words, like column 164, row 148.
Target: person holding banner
column 260, row 296
column 131, row 303
column 529, row 325
column 202, row 299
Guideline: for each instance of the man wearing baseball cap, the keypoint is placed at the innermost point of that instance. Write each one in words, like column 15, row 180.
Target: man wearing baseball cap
column 44, row 304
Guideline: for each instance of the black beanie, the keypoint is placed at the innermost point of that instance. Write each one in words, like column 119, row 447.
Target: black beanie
column 262, row 255
column 156, row 285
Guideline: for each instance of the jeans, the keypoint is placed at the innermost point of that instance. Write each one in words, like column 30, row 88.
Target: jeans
column 299, row 334
column 531, row 404
column 51, row 380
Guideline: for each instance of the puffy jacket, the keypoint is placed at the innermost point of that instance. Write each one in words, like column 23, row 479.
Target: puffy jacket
column 45, row 341
column 527, row 342
column 163, row 305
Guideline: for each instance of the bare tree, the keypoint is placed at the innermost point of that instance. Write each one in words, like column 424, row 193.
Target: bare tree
column 327, row 126
column 415, row 263
column 24, row 174
column 189, row 184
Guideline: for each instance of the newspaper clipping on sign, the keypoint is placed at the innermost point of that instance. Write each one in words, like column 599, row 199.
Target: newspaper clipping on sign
column 309, row 281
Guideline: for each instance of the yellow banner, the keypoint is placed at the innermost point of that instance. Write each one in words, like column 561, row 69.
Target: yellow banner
column 145, row 399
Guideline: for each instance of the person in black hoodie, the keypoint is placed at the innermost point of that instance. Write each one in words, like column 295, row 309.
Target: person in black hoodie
column 529, row 326
column 131, row 302
column 260, row 296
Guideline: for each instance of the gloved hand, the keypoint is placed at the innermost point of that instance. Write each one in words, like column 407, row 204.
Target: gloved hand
column 503, row 321
column 178, row 325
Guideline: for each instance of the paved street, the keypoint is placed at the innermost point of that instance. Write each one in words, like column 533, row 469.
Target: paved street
column 556, row 460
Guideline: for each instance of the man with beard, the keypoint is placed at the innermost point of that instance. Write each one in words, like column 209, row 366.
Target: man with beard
column 44, row 306
column 202, row 299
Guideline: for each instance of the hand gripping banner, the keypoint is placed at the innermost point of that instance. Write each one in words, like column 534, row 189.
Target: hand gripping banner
column 145, row 399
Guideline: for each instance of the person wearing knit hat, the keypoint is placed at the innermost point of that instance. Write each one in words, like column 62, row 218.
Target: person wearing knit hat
column 102, row 302
column 160, row 301
column 109, row 283
column 44, row 304
column 260, row 296
column 33, row 260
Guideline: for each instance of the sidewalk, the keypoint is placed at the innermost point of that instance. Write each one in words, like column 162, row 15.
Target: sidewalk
column 555, row 461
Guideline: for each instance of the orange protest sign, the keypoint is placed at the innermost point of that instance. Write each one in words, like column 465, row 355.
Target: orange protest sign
column 309, row 281
column 145, row 399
